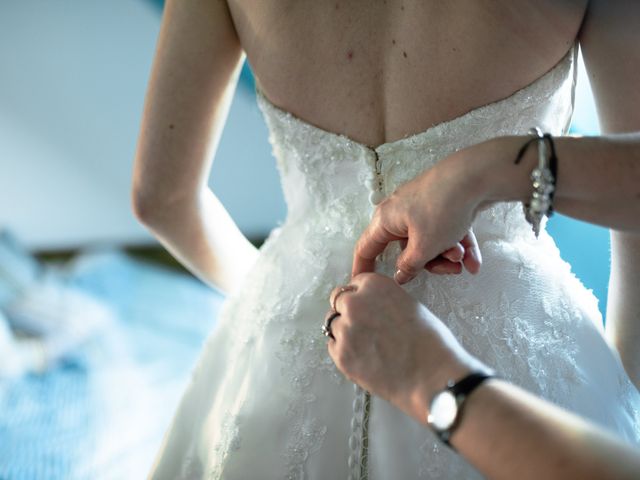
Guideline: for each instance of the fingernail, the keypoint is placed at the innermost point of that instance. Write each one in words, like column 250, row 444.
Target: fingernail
column 478, row 261
column 478, row 254
column 401, row 277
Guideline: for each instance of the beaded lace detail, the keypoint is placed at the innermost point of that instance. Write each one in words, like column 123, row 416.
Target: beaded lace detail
column 266, row 400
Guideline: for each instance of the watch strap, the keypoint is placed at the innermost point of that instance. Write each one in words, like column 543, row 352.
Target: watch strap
column 469, row 383
column 461, row 390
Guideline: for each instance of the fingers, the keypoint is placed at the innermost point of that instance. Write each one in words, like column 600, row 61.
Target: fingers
column 336, row 350
column 343, row 298
column 442, row 266
column 472, row 257
column 449, row 262
column 415, row 256
column 455, row 253
column 327, row 328
column 339, row 347
column 371, row 243
column 411, row 260
column 465, row 253
column 337, row 292
column 445, row 263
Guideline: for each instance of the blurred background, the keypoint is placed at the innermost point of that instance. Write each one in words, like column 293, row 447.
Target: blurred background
column 99, row 327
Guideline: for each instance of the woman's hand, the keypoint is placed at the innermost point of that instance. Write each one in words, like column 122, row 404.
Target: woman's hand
column 436, row 209
column 392, row 345
column 464, row 253
column 431, row 213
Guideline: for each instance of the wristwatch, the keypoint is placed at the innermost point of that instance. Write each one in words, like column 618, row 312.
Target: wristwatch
column 445, row 408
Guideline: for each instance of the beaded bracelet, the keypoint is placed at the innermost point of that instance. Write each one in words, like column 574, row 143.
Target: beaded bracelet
column 543, row 178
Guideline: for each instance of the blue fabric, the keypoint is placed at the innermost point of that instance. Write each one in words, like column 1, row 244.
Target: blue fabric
column 102, row 412
column 586, row 247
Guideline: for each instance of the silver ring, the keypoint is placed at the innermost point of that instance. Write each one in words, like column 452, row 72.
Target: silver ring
column 343, row 289
column 326, row 328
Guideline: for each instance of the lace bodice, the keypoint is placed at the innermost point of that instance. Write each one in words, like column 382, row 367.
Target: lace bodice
column 332, row 175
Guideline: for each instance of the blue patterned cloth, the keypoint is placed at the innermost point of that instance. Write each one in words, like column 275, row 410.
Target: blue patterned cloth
column 102, row 412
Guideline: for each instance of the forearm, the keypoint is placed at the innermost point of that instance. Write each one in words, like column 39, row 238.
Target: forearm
column 598, row 177
column 204, row 238
column 623, row 305
column 507, row 433
column 193, row 79
column 599, row 180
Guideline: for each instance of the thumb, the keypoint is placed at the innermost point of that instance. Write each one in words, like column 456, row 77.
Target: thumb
column 472, row 257
column 412, row 259
column 371, row 243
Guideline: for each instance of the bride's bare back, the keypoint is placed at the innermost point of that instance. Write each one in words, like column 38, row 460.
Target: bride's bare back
column 379, row 70
column 373, row 70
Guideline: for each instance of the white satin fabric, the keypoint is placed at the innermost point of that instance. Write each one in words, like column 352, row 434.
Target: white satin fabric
column 265, row 400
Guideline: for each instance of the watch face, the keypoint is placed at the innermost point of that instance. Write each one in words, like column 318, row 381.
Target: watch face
column 444, row 409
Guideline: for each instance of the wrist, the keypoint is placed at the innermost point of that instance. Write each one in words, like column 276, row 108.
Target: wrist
column 453, row 368
column 501, row 179
column 448, row 405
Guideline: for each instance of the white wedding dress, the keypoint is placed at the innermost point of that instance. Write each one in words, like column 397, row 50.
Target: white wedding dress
column 265, row 400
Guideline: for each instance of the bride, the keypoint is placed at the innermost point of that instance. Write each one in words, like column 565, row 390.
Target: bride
column 406, row 83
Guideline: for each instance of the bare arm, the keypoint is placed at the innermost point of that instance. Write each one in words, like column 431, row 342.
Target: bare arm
column 194, row 75
column 508, row 433
column 610, row 40
column 598, row 177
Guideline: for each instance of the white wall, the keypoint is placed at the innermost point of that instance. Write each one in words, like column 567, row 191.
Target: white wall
column 72, row 82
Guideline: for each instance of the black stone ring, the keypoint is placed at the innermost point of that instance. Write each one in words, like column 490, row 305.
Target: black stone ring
column 326, row 328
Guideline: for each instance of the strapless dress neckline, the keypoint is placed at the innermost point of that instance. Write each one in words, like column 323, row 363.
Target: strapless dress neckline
column 568, row 59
